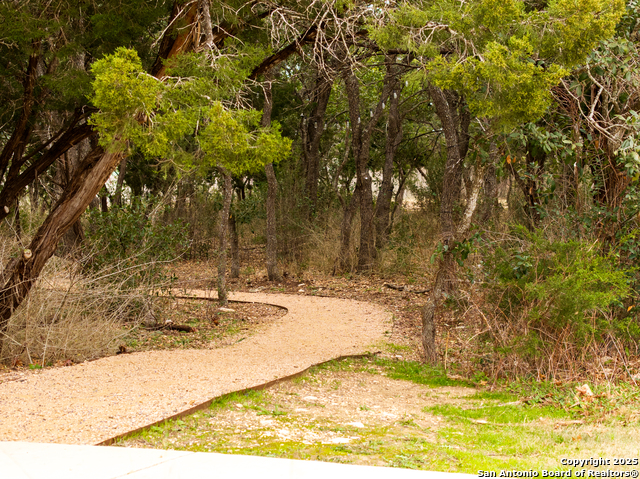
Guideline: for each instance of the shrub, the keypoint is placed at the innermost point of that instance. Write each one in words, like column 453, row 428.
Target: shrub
column 126, row 239
column 556, row 301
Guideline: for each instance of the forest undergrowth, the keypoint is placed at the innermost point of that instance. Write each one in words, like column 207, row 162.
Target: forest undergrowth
column 527, row 306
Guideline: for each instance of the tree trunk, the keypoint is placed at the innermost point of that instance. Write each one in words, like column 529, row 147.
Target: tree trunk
column 312, row 134
column 445, row 103
column 490, row 194
column 536, row 158
column 473, row 192
column 343, row 261
column 18, row 179
column 361, row 144
column 104, row 204
column 179, row 37
column 21, row 273
column 15, row 145
column 429, row 331
column 66, row 167
column 455, row 125
column 273, row 272
column 436, row 298
column 399, row 198
column 34, row 197
column 17, row 227
column 235, row 249
column 227, row 193
column 393, row 139
column 117, row 195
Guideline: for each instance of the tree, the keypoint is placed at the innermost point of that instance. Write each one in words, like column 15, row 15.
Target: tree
column 492, row 60
column 44, row 50
column 28, row 39
column 233, row 141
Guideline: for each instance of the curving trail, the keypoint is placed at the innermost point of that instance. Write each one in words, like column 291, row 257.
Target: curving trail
column 92, row 402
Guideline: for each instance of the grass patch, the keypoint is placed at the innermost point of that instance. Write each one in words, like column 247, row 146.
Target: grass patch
column 609, row 402
column 245, row 397
column 494, row 396
column 419, row 373
column 498, row 413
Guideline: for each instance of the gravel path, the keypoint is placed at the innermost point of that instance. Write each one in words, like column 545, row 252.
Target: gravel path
column 98, row 400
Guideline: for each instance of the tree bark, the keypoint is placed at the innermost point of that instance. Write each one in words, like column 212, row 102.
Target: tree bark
column 104, row 203
column 453, row 126
column 227, row 193
column 178, row 38
column 399, row 197
column 19, row 178
column 274, row 60
column 21, row 273
column 393, row 138
column 473, row 193
column 536, row 158
column 455, row 120
column 343, row 261
column 15, row 146
column 17, row 226
column 235, row 249
column 66, row 167
column 117, row 195
column 312, row 134
column 429, row 331
column 361, row 145
column 273, row 272
column 34, row 197
column 490, row 194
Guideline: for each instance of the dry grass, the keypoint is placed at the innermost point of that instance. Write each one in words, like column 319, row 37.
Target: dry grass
column 73, row 316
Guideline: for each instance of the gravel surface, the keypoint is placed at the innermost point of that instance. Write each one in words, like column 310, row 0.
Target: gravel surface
column 94, row 401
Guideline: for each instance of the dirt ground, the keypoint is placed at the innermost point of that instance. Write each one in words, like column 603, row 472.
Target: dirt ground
column 404, row 304
column 332, row 408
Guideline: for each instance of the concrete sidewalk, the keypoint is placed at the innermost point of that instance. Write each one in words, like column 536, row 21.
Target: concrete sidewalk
column 22, row 460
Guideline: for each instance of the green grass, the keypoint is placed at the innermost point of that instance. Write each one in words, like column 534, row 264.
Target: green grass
column 498, row 413
column 419, row 373
column 494, row 395
column 244, row 398
column 406, row 370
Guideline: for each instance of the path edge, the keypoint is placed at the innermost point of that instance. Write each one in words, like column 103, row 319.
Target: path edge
column 208, row 402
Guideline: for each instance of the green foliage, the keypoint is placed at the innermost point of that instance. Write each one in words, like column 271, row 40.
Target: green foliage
column 459, row 249
column 159, row 117
column 125, row 242
column 124, row 93
column 249, row 209
column 65, row 36
column 503, row 56
column 574, row 28
column 235, row 141
column 554, row 285
column 516, row 88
